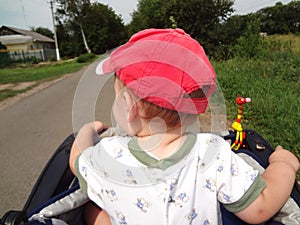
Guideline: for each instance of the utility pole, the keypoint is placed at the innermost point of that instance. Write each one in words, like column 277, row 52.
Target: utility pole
column 55, row 37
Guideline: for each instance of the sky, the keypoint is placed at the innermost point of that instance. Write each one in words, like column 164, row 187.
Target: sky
column 25, row 14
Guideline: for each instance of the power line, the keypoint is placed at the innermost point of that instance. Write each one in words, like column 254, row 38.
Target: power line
column 24, row 15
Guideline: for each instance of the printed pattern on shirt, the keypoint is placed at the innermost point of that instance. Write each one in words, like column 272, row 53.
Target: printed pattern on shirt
column 188, row 196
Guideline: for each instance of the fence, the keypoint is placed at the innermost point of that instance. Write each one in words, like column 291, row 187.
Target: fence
column 8, row 57
column 4, row 58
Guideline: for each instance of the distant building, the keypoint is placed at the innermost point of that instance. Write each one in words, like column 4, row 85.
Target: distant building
column 19, row 41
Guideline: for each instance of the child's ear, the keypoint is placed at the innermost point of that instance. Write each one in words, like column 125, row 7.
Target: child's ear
column 131, row 106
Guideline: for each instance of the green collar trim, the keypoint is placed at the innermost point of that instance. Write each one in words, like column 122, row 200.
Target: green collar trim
column 167, row 162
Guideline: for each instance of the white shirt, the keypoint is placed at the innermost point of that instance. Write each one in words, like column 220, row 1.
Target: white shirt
column 185, row 188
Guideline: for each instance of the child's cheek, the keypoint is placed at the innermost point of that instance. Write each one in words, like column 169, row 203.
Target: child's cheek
column 120, row 112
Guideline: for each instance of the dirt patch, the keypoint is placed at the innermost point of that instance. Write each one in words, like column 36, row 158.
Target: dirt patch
column 5, row 86
column 205, row 120
column 33, row 87
column 17, row 86
column 23, row 85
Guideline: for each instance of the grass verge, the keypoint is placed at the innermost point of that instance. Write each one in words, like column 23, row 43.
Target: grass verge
column 4, row 94
column 273, row 84
column 38, row 73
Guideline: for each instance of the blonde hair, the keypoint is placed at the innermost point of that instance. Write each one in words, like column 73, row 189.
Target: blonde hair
column 149, row 111
column 172, row 118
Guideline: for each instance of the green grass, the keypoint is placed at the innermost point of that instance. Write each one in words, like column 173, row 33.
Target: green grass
column 273, row 84
column 289, row 42
column 4, row 94
column 37, row 73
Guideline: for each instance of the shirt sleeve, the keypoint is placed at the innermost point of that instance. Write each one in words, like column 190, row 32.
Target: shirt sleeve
column 250, row 195
column 89, row 180
column 238, row 183
column 82, row 182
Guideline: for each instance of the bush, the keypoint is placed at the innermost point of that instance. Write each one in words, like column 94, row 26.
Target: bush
column 85, row 57
column 35, row 60
column 251, row 43
column 53, row 59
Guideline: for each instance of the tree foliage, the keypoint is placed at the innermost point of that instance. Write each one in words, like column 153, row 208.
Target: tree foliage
column 105, row 29
column 69, row 40
column 280, row 19
column 199, row 18
column 44, row 31
column 84, row 26
column 226, row 35
column 210, row 22
column 249, row 44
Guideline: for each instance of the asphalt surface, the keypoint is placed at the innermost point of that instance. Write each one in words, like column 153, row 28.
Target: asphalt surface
column 33, row 128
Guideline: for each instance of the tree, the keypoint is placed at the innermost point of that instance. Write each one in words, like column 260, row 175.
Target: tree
column 227, row 34
column 199, row 18
column 44, row 31
column 293, row 16
column 75, row 11
column 103, row 30
column 280, row 19
column 149, row 13
column 70, row 40
column 249, row 44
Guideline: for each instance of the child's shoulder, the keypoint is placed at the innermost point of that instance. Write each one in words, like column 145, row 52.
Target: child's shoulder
column 115, row 141
column 210, row 138
column 210, row 145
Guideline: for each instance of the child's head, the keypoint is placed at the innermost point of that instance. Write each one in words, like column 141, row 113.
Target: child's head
column 127, row 101
column 167, row 69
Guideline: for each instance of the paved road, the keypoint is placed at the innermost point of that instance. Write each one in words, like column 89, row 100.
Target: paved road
column 33, row 128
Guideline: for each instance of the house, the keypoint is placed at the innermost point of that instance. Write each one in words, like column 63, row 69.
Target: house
column 22, row 42
column 19, row 39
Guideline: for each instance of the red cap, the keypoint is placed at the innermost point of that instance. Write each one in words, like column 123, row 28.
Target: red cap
column 164, row 66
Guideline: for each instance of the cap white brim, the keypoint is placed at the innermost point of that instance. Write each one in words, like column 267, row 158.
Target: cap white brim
column 103, row 67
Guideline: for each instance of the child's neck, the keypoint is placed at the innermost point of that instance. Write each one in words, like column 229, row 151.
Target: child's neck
column 161, row 144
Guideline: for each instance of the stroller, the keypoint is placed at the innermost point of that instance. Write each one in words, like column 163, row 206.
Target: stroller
column 56, row 198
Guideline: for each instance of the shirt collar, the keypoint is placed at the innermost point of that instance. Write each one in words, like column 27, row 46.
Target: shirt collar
column 167, row 162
